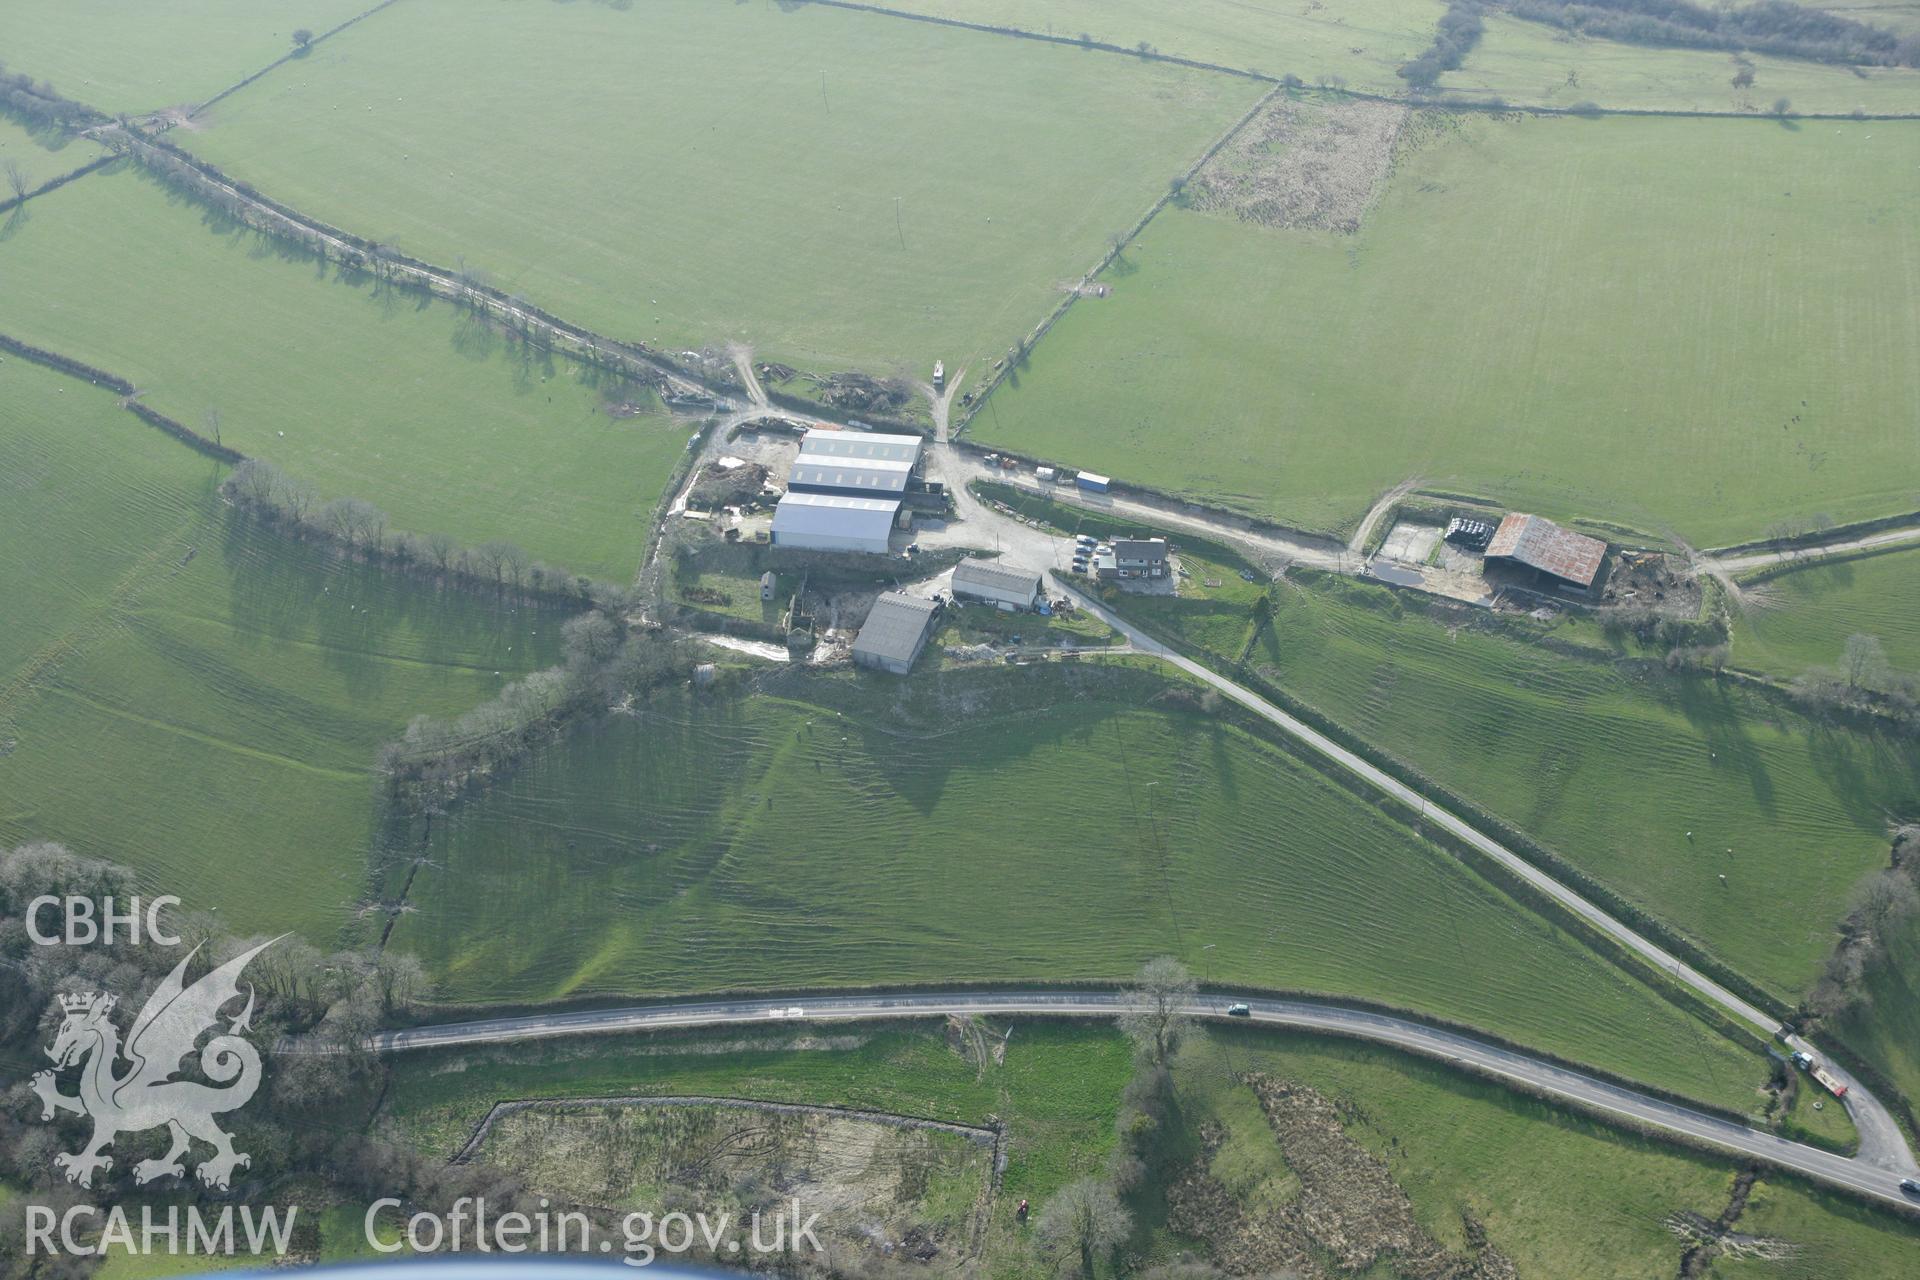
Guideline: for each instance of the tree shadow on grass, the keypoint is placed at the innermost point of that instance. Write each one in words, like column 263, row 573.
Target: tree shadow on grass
column 1719, row 715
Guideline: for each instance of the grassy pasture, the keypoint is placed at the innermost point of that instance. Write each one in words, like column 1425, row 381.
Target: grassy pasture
column 744, row 186
column 216, row 733
column 133, row 55
column 1902, row 16
column 72, row 460
column 835, row 842
column 1680, row 325
column 187, row 695
column 41, row 153
column 410, row 405
column 1611, row 765
column 1837, row 1236
column 1531, row 64
column 1802, row 619
column 1360, row 41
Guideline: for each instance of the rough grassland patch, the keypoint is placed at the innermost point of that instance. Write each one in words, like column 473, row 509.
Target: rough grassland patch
column 878, row 1183
column 1315, row 165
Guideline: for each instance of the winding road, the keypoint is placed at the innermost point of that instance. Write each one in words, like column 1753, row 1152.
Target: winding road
column 1884, row 1155
column 1857, row 1175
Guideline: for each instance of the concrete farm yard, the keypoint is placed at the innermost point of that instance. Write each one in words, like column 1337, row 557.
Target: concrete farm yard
column 843, row 535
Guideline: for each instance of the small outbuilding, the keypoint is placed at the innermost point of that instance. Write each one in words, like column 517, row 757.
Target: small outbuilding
column 995, row 584
column 894, row 633
column 1538, row 544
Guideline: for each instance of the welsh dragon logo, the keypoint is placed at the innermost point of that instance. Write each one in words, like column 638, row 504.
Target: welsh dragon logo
column 146, row 1096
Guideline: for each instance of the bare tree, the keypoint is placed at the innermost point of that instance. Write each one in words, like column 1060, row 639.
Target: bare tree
column 1864, row 662
column 441, row 550
column 16, row 178
column 296, row 497
column 589, row 640
column 212, row 421
column 254, row 482
column 1154, row 1011
column 1084, row 1218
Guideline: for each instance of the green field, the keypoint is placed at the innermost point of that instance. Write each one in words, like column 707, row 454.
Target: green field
column 1560, row 1193
column 1902, row 16
column 1550, row 736
column 697, row 203
column 120, row 492
column 1680, row 325
column 413, row 406
column 831, row 838
column 133, row 55
column 1361, row 42
column 1611, row 764
column 1532, row 64
column 1795, row 621
column 193, row 697
column 41, row 154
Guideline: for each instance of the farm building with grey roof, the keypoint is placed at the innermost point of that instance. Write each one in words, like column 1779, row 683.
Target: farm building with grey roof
column 894, row 633
column 983, row 580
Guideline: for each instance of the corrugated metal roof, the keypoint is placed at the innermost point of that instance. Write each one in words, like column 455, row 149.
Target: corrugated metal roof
column 985, row 575
column 831, row 513
column 895, row 627
column 860, row 444
column 1539, row 543
column 876, row 475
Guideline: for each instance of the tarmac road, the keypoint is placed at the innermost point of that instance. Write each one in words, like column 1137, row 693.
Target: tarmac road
column 1881, row 1141
column 1508, row 1065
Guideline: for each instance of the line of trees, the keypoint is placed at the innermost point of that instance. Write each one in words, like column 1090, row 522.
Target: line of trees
column 1768, row 26
column 334, row 1000
column 1459, row 31
column 605, row 661
column 360, row 527
column 1863, row 681
column 39, row 103
column 1888, row 901
column 1086, row 1220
